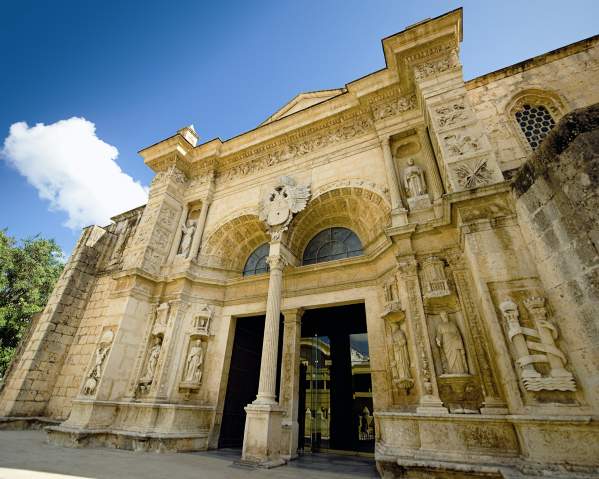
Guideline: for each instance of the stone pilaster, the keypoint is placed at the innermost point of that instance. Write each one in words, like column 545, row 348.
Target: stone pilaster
column 290, row 381
column 430, row 401
column 153, row 239
column 197, row 239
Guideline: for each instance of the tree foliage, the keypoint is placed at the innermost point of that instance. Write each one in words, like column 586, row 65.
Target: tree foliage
column 28, row 271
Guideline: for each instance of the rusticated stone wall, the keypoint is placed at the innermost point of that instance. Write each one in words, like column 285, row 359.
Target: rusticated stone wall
column 557, row 193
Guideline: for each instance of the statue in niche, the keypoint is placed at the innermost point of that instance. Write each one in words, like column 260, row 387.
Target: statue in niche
column 193, row 365
column 101, row 353
column 188, row 231
column 152, row 359
column 449, row 340
column 414, row 180
column 401, row 358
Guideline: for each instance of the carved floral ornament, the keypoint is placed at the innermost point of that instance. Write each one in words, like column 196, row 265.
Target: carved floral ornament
column 472, row 174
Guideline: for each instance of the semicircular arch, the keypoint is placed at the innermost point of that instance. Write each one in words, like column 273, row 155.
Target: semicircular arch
column 229, row 245
column 360, row 210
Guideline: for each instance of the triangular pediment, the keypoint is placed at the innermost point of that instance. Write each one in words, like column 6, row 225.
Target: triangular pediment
column 303, row 101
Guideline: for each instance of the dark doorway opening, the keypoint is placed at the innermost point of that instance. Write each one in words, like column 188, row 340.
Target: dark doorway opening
column 336, row 411
column 244, row 375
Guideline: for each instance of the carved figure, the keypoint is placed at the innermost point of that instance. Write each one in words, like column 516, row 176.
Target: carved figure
column 449, row 340
column 96, row 372
column 401, row 358
column 414, row 180
column 188, row 231
column 283, row 202
column 193, row 365
column 153, row 359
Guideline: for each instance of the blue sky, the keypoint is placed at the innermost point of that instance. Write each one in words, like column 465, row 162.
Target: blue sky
column 139, row 71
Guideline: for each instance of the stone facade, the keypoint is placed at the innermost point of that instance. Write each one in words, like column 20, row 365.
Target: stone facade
column 478, row 275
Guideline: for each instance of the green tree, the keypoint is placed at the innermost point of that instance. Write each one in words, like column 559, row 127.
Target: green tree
column 28, row 271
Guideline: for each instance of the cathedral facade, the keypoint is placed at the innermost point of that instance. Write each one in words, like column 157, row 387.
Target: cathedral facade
column 404, row 267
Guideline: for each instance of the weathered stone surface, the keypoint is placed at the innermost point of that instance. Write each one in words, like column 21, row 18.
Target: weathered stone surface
column 481, row 293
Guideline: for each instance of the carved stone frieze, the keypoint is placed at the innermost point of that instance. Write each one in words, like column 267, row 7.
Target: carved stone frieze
column 437, row 66
column 296, row 146
column 393, row 107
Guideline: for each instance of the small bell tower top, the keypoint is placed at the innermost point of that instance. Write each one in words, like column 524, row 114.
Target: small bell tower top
column 189, row 134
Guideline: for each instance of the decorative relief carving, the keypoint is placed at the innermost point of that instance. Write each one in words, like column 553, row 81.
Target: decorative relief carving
column 473, row 174
column 449, row 115
column 434, row 281
column 285, row 200
column 459, row 144
column 541, row 340
column 382, row 191
column 435, row 67
column 303, row 146
column 394, row 107
column 93, row 378
column 159, row 321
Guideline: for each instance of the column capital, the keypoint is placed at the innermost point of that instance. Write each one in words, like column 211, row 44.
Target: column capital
column 293, row 314
column 276, row 262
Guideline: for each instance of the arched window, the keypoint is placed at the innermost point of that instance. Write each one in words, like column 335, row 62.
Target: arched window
column 332, row 244
column 256, row 263
column 533, row 113
column 535, row 122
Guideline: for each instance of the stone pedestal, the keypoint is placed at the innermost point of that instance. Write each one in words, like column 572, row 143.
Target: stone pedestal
column 262, row 435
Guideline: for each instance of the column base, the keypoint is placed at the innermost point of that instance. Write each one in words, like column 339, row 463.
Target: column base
column 262, row 436
column 289, row 432
column 399, row 217
column 431, row 405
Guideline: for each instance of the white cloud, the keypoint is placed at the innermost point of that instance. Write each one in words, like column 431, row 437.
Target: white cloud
column 73, row 169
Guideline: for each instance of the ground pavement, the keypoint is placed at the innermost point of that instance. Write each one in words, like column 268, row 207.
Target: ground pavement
column 26, row 455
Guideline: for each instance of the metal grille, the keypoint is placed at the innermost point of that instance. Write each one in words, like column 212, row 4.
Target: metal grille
column 536, row 122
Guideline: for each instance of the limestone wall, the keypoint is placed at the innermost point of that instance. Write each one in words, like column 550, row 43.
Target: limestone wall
column 557, row 198
column 567, row 77
column 82, row 348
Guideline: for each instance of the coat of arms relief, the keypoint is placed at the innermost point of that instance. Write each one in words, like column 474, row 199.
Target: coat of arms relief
column 285, row 200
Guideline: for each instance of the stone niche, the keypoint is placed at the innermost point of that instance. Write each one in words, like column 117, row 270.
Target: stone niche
column 414, row 177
